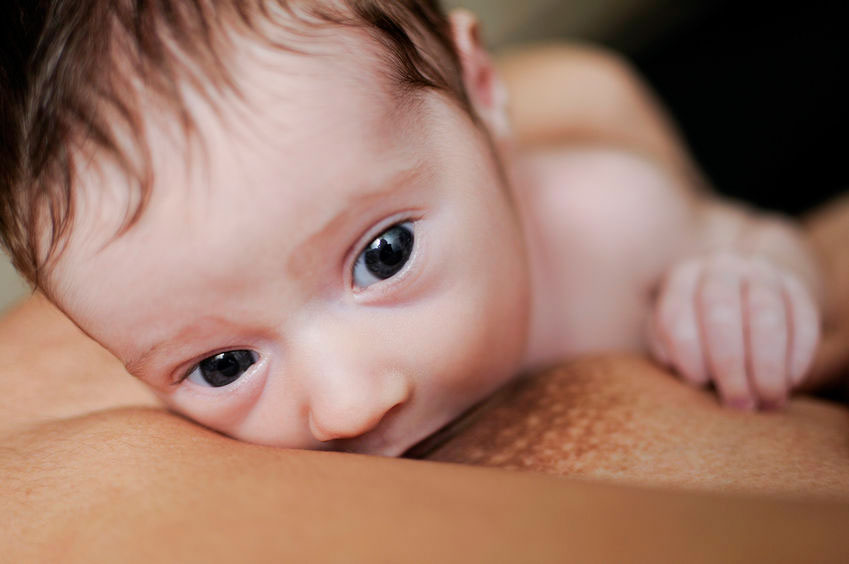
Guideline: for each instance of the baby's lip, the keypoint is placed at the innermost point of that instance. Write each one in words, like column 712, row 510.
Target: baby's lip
column 442, row 435
column 380, row 441
column 384, row 440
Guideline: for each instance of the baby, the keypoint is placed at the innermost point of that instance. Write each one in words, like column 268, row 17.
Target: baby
column 304, row 223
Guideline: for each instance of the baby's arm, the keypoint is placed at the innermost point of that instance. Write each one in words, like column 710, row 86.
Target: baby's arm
column 742, row 307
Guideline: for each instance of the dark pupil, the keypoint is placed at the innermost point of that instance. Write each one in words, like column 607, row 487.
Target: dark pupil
column 225, row 368
column 388, row 254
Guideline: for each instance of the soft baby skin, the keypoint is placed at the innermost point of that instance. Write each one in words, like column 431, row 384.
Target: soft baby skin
column 321, row 266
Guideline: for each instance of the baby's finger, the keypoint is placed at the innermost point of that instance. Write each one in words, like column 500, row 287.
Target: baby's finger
column 678, row 325
column 767, row 328
column 721, row 313
column 655, row 342
column 804, row 323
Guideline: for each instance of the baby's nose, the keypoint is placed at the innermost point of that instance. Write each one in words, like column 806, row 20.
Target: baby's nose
column 350, row 405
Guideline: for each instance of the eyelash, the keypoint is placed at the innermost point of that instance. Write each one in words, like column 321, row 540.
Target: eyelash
column 410, row 217
column 183, row 374
column 413, row 217
column 396, row 245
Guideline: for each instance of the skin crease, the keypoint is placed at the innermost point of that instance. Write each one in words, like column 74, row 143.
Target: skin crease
column 314, row 165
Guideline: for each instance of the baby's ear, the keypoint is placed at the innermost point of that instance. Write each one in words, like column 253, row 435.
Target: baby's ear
column 483, row 83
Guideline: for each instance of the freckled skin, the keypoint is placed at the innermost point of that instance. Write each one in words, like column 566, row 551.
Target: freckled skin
column 617, row 418
column 254, row 246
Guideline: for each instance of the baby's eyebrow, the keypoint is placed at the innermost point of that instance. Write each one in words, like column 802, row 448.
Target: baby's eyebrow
column 175, row 343
column 354, row 204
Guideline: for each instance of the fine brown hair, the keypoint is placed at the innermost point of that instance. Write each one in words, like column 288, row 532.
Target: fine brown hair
column 64, row 63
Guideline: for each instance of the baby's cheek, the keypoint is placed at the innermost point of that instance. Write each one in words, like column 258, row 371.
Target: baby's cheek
column 222, row 409
column 491, row 301
column 476, row 341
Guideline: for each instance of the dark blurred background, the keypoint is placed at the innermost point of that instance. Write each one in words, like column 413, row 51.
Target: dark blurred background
column 761, row 92
column 760, row 89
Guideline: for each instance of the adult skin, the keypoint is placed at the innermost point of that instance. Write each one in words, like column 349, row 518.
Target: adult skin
column 94, row 470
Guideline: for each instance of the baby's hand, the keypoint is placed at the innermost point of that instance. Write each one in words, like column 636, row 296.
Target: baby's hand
column 743, row 323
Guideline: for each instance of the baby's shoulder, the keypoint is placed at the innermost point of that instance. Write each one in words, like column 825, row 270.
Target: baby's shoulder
column 602, row 195
column 601, row 225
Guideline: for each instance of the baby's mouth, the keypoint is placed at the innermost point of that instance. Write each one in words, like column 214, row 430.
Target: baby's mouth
column 380, row 441
column 434, row 441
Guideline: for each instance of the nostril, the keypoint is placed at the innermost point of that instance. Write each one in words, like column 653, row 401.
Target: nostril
column 343, row 425
column 318, row 431
column 391, row 412
column 340, row 411
column 351, row 422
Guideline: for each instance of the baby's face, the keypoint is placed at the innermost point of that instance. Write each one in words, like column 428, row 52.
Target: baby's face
column 329, row 269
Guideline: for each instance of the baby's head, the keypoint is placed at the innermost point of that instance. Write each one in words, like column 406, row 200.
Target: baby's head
column 288, row 218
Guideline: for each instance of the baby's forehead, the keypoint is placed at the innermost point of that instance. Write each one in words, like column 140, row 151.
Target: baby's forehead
column 331, row 80
column 304, row 128
column 294, row 169
column 297, row 120
column 326, row 109
column 133, row 77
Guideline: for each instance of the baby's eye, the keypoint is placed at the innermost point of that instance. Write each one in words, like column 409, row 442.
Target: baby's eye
column 385, row 256
column 222, row 369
